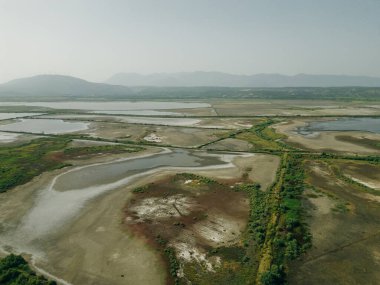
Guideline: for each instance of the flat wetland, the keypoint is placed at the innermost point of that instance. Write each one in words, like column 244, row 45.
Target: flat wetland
column 344, row 222
column 150, row 192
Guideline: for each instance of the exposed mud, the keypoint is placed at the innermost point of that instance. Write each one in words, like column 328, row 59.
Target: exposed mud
column 364, row 173
column 345, row 225
column 326, row 140
column 189, row 213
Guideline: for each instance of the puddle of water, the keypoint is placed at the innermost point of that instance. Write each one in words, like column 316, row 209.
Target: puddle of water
column 5, row 116
column 140, row 113
column 67, row 193
column 7, row 137
column 46, row 126
column 163, row 121
column 346, row 124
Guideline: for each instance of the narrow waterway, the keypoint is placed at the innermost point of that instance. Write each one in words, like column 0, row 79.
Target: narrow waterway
column 66, row 194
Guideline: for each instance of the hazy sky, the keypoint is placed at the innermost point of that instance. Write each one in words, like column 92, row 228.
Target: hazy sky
column 94, row 39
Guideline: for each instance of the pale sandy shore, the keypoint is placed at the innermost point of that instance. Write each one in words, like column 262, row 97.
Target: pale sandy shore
column 324, row 140
column 95, row 248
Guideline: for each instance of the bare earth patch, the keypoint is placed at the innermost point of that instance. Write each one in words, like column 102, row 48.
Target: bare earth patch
column 345, row 226
column 324, row 141
column 190, row 214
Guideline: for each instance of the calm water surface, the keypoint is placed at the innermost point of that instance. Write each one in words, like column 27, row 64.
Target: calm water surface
column 111, row 106
column 7, row 137
column 45, row 126
column 344, row 124
column 5, row 116
column 139, row 113
column 66, row 194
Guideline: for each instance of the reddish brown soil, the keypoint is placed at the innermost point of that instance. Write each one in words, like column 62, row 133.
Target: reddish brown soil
column 215, row 195
column 206, row 197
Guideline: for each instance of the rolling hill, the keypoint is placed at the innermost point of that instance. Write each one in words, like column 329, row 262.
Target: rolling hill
column 59, row 85
column 219, row 79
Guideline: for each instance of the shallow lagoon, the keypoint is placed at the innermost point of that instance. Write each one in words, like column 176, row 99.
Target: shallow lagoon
column 344, row 124
column 66, row 194
column 162, row 121
column 7, row 137
column 138, row 112
column 5, row 116
column 44, row 126
column 111, row 106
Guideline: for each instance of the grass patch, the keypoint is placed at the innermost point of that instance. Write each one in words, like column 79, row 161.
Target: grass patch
column 91, row 150
column 19, row 164
column 286, row 233
column 340, row 207
column 263, row 137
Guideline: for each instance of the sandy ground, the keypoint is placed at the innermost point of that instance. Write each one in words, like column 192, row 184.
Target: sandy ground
column 97, row 232
column 117, row 131
column 366, row 174
column 87, row 143
column 291, row 107
column 94, row 248
column 370, row 184
column 211, row 123
column 228, row 123
column 261, row 168
column 345, row 243
column 196, row 112
column 230, row 144
column 187, row 137
column 11, row 139
column 324, row 140
column 175, row 136
column 75, row 254
column 210, row 215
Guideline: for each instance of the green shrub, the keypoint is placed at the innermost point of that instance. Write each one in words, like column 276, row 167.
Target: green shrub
column 14, row 270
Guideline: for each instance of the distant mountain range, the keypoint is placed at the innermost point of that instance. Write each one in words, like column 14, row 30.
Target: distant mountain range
column 60, row 85
column 127, row 85
column 219, row 79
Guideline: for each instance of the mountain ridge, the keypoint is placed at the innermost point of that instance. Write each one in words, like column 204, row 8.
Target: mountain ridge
column 56, row 86
column 59, row 85
column 220, row 79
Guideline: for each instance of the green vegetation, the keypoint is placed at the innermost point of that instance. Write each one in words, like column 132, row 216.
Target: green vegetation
column 340, row 207
column 276, row 233
column 14, row 270
column 369, row 143
column 274, row 276
column 293, row 233
column 339, row 175
column 258, row 219
column 19, row 164
column 142, row 189
column 173, row 264
column 235, row 253
column 191, row 176
column 231, row 134
column 263, row 137
column 374, row 159
column 284, row 235
column 110, row 149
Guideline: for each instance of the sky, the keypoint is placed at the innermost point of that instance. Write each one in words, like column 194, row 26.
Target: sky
column 94, row 39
